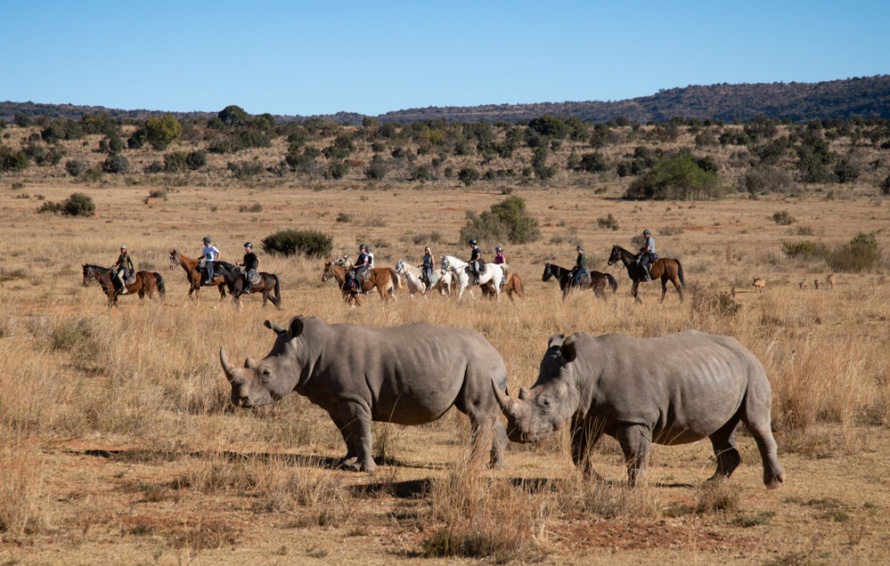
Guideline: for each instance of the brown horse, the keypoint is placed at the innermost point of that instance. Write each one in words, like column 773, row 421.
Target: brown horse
column 513, row 284
column 595, row 280
column 268, row 285
column 664, row 268
column 384, row 279
column 195, row 277
column 144, row 283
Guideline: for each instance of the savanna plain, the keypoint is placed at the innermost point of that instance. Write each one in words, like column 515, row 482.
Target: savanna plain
column 119, row 444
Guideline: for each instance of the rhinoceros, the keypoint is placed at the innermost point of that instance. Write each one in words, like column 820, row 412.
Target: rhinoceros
column 407, row 375
column 671, row 390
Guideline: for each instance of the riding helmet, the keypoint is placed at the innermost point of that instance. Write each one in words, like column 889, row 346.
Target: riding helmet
column 647, row 232
column 207, row 239
column 363, row 247
column 471, row 243
column 499, row 249
column 368, row 249
column 123, row 246
column 248, row 245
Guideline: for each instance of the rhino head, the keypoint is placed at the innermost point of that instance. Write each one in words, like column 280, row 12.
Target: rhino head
column 551, row 401
column 273, row 377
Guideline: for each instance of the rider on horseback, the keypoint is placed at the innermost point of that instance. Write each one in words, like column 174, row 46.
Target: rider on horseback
column 647, row 253
column 475, row 260
column 210, row 255
column 427, row 267
column 358, row 269
column 123, row 270
column 249, row 265
column 580, row 270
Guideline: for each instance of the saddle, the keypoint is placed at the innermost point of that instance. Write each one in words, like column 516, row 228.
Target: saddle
column 251, row 275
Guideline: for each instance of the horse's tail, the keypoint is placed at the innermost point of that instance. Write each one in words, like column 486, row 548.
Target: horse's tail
column 396, row 280
column 160, row 281
column 680, row 272
column 517, row 284
column 612, row 282
column 277, row 290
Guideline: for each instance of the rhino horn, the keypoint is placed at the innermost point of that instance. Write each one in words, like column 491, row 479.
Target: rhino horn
column 524, row 394
column 230, row 370
column 503, row 399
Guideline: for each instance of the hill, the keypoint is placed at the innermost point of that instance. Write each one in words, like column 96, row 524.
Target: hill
column 866, row 97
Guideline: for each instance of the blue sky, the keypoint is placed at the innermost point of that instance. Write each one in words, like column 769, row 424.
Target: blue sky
column 323, row 57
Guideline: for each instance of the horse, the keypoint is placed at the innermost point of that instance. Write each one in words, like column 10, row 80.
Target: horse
column 195, row 277
column 512, row 285
column 664, row 268
column 144, row 283
column 268, row 285
column 595, row 280
column 444, row 284
column 493, row 272
column 413, row 275
column 384, row 279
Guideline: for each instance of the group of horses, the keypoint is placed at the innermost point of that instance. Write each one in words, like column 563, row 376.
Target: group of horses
column 493, row 280
column 225, row 277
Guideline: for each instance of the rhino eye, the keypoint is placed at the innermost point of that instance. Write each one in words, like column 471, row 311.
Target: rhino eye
column 265, row 375
column 545, row 402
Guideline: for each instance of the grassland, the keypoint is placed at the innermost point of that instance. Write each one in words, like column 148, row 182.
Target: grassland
column 118, row 442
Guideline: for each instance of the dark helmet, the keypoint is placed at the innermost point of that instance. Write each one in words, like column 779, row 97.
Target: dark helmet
column 368, row 249
column 580, row 248
column 499, row 249
column 471, row 243
column 647, row 232
column 362, row 247
column 207, row 239
column 248, row 245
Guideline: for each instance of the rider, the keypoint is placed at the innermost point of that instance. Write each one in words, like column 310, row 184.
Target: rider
column 211, row 256
column 370, row 257
column 499, row 258
column 362, row 264
column 475, row 259
column 249, row 264
column 647, row 253
column 427, row 266
column 123, row 268
column 580, row 270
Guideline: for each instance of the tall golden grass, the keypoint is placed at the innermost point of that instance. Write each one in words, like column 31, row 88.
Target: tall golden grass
column 145, row 376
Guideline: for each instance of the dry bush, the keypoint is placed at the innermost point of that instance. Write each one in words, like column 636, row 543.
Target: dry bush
column 22, row 487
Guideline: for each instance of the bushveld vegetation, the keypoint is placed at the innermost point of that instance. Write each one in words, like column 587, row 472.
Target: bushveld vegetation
column 118, row 441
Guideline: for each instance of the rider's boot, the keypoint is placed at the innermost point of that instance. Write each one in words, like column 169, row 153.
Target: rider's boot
column 646, row 269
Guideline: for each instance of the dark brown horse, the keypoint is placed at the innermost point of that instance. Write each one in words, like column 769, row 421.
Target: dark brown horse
column 513, row 284
column 268, row 285
column 664, row 268
column 144, row 283
column 384, row 279
column 195, row 277
column 595, row 280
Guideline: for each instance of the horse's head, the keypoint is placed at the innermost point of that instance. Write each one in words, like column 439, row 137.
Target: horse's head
column 400, row 267
column 327, row 272
column 548, row 272
column 174, row 259
column 446, row 265
column 88, row 275
column 615, row 255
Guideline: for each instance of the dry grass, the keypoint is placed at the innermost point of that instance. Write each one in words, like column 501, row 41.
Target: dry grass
column 119, row 442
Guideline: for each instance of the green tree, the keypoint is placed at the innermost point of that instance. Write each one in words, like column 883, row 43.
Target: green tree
column 161, row 132
column 507, row 221
column 233, row 116
column 679, row 177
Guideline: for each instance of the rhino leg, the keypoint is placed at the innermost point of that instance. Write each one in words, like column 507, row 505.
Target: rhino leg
column 354, row 421
column 761, row 430
column 725, row 450
column 585, row 434
column 635, row 441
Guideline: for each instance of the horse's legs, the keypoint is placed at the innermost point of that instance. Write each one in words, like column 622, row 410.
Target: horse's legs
column 664, row 286
column 635, row 291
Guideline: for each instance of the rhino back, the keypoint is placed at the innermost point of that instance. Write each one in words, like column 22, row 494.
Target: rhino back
column 684, row 386
column 407, row 374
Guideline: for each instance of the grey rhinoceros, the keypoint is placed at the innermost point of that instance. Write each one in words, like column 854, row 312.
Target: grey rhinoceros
column 407, row 375
column 671, row 390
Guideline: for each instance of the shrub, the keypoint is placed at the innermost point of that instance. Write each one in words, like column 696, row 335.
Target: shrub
column 804, row 250
column 861, row 254
column 376, row 169
column 310, row 243
column 593, row 163
column 680, row 177
column 161, row 132
column 885, row 186
column 175, row 162
column 196, row 159
column 245, row 169
column 783, row 218
column 608, row 222
column 158, row 193
column 79, row 204
column 12, row 160
column 338, row 169
column 507, row 220
column 255, row 207
column 116, row 164
column 758, row 180
column 468, row 176
column 76, row 167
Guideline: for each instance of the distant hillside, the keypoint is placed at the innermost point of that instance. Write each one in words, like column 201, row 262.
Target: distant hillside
column 866, row 97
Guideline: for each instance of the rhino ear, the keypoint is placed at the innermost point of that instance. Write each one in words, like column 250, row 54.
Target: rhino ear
column 568, row 350
column 556, row 340
column 272, row 326
column 296, row 326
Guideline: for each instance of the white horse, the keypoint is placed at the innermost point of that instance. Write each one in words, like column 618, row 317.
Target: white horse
column 493, row 272
column 412, row 276
column 443, row 285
